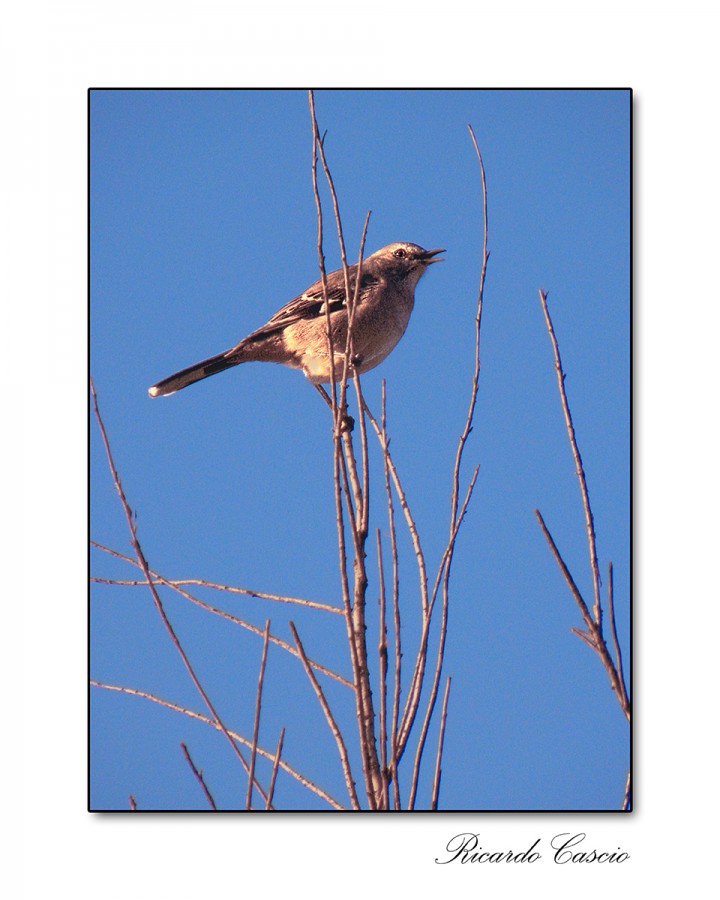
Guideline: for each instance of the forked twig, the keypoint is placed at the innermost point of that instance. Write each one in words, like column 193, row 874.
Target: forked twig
column 175, row 585
column 190, row 713
column 579, row 469
column 593, row 634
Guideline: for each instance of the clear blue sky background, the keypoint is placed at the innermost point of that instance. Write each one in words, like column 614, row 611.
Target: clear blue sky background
column 202, row 225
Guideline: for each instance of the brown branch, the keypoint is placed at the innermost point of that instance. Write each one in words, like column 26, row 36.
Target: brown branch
column 279, row 642
column 198, row 774
column 441, row 740
column 465, row 434
column 574, row 590
column 627, row 799
column 261, row 595
column 593, row 636
column 397, row 671
column 256, row 721
column 579, row 469
column 332, row 724
column 456, row 518
column 273, row 774
column 190, row 713
column 614, row 636
column 383, row 667
column 418, row 675
column 409, row 520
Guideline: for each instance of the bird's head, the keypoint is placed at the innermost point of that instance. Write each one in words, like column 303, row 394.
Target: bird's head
column 404, row 260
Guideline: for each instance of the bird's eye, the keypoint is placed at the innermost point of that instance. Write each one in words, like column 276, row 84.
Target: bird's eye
column 400, row 253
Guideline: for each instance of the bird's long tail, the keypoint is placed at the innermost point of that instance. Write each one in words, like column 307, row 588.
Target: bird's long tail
column 200, row 370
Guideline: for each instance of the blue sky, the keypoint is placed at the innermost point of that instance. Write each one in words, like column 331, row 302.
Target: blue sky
column 202, row 225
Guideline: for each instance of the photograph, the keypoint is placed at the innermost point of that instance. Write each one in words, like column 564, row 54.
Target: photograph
column 360, row 434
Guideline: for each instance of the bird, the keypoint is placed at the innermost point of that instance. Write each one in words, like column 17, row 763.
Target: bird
column 297, row 335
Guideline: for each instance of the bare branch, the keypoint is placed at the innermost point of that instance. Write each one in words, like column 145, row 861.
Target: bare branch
column 412, row 527
column 397, row 670
column 582, row 606
column 279, row 642
column 256, row 722
column 441, row 739
column 627, row 799
column 614, row 636
column 273, row 774
column 383, row 667
column 174, row 582
column 593, row 636
column 342, row 750
column 478, row 320
column 579, row 470
column 198, row 774
column 289, row 770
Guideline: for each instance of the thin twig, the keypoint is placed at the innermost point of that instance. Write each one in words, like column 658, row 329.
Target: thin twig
column 332, row 724
column 256, row 721
column 273, row 774
column 579, row 469
column 441, row 740
column 413, row 699
column 627, row 799
column 411, row 710
column 593, row 637
column 465, row 434
column 614, row 635
column 456, row 518
column 404, row 505
column 383, row 667
column 199, row 582
column 172, row 582
column 279, row 642
column 397, row 671
column 192, row 714
column 198, row 774
column 582, row 606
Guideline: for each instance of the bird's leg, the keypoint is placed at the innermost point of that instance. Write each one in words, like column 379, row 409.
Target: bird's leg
column 347, row 422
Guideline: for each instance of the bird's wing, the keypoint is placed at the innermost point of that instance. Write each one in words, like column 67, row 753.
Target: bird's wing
column 311, row 303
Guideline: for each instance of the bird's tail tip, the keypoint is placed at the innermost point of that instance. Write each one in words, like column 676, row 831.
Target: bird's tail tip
column 157, row 391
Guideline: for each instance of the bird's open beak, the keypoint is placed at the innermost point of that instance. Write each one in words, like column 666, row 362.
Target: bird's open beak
column 427, row 256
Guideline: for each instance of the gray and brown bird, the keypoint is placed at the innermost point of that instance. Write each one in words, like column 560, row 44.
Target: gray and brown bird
column 296, row 335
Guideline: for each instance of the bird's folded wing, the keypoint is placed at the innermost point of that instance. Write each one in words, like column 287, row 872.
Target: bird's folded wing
column 311, row 303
